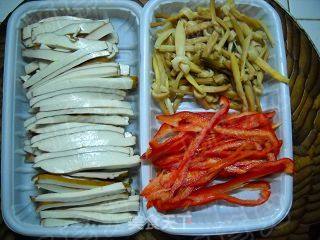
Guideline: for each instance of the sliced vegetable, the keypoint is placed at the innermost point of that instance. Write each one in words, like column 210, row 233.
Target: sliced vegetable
column 88, row 161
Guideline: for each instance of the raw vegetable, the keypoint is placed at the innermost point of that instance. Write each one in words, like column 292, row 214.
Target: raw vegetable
column 191, row 150
column 210, row 52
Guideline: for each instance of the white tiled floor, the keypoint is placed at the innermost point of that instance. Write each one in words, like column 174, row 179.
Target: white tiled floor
column 308, row 14
column 305, row 9
column 284, row 3
column 312, row 27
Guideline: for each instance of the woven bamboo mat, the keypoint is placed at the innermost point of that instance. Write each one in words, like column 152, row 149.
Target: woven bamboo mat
column 303, row 62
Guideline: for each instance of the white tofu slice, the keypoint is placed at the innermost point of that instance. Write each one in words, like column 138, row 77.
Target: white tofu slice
column 111, row 83
column 98, row 127
column 107, row 54
column 31, row 67
column 61, row 126
column 76, row 90
column 84, row 139
column 80, row 97
column 89, row 161
column 103, row 199
column 130, row 205
column 72, row 60
column 29, row 121
column 51, row 222
column 56, row 188
column 111, row 189
column 68, row 182
column 83, row 103
column 43, row 64
column 52, row 24
column 28, row 149
column 97, row 71
column 44, row 54
column 97, row 119
column 25, row 77
column 79, row 28
column 101, row 32
column 45, row 156
column 67, row 42
column 100, row 175
column 105, row 218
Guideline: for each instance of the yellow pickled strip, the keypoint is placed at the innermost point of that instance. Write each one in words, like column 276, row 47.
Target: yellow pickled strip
column 162, row 37
column 237, row 80
column 193, row 82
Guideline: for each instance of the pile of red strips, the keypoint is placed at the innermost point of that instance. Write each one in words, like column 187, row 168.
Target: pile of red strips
column 191, row 150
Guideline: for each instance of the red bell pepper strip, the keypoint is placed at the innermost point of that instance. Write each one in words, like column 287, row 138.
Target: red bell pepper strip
column 255, row 134
column 180, row 174
column 219, row 191
column 187, row 117
column 239, row 168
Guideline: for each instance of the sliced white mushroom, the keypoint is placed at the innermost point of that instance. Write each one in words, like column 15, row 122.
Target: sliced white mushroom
column 79, row 28
column 97, row 119
column 130, row 205
column 98, row 127
column 44, row 54
column 76, row 90
column 31, row 67
column 56, row 188
column 111, row 189
column 84, row 139
column 95, row 216
column 89, row 161
column 72, row 60
column 100, row 175
column 112, row 83
column 45, row 156
column 52, row 222
column 108, row 198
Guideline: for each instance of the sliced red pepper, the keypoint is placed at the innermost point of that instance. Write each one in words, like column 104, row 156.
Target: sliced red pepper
column 180, row 174
column 171, row 146
column 186, row 117
column 239, row 168
column 219, row 191
column 253, row 121
column 255, row 134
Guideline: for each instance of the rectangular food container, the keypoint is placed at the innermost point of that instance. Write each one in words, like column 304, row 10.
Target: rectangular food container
column 136, row 45
column 17, row 208
column 221, row 218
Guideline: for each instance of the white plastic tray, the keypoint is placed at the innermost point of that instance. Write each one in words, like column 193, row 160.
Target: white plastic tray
column 220, row 218
column 16, row 187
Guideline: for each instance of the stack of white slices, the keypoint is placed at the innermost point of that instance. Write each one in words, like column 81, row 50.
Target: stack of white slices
column 76, row 136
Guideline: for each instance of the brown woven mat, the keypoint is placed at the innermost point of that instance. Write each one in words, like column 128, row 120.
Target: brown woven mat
column 304, row 71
